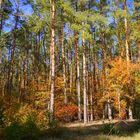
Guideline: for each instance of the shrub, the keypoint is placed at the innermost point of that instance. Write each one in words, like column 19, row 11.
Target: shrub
column 52, row 123
column 30, row 129
column 25, row 111
column 110, row 129
column 2, row 117
column 67, row 113
column 136, row 126
column 14, row 132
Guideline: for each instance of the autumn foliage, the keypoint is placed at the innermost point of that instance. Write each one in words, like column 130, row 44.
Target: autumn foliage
column 66, row 113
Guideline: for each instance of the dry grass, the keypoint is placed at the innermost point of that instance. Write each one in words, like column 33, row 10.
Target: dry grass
column 92, row 132
column 99, row 137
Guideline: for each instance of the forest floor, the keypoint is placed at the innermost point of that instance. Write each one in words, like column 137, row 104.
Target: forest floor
column 91, row 131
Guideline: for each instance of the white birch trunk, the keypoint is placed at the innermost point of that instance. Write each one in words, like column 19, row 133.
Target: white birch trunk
column 78, row 87
column 127, row 51
column 84, row 79
column 64, row 66
column 52, row 50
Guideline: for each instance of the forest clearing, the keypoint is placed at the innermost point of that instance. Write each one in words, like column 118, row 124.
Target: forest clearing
column 121, row 130
column 69, row 69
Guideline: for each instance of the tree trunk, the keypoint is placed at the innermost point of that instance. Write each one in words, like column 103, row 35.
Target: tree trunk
column 126, row 34
column 90, row 84
column 1, row 16
column 127, row 52
column 138, row 46
column 109, row 110
column 95, row 81
column 52, row 56
column 11, row 70
column 78, row 76
column 71, row 71
column 0, row 3
column 84, row 78
column 119, row 103
column 64, row 66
